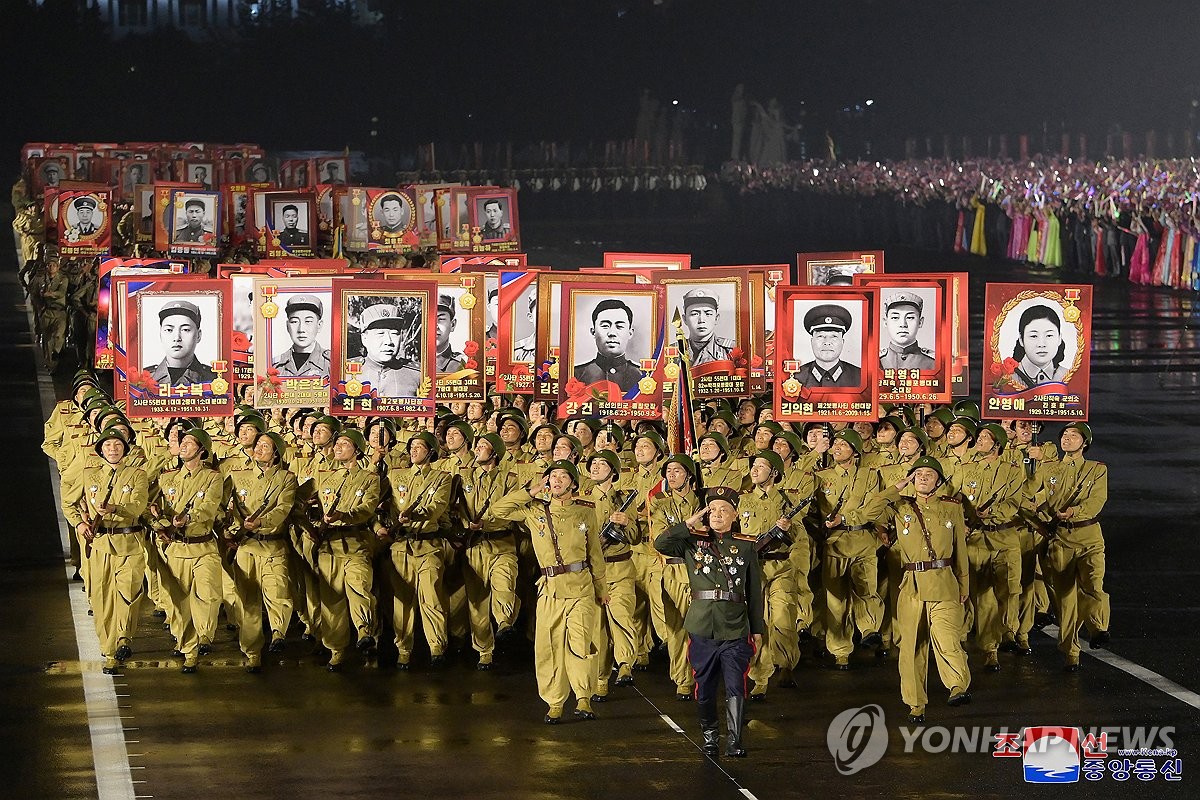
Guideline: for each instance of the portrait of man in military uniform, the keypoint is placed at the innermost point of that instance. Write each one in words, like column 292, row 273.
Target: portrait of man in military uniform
column 701, row 314
column 495, row 226
column 523, row 348
column 193, row 229
column 612, row 327
column 493, row 309
column 201, row 174
column 258, row 172
column 331, row 172
column 827, row 325
column 87, row 221
column 447, row 321
column 135, row 174
column 307, row 357
column 390, row 361
column 392, row 214
column 179, row 334
column 903, row 319
column 52, row 173
column 292, row 234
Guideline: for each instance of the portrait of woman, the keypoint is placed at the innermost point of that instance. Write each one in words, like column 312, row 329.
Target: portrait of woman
column 1040, row 350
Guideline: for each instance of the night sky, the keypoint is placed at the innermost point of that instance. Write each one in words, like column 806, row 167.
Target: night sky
column 449, row 70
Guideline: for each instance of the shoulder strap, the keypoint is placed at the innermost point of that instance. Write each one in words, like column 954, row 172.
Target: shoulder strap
column 924, row 529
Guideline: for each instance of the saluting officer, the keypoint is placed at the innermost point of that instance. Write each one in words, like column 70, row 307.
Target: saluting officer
column 929, row 531
column 566, row 540
column 725, row 618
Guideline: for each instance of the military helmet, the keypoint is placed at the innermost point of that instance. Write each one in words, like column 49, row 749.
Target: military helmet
column 110, row 433
column 967, row 408
column 851, row 438
column 685, row 461
column 998, row 434
column 356, row 438
column 928, row 461
column 565, row 466
column 774, row 460
column 608, row 457
column 429, row 440
column 1085, row 431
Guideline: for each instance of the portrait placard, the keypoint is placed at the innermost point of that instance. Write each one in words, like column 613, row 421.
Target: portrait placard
column 517, row 300
column 495, row 227
column 201, row 173
column 292, row 321
column 241, row 331
column 195, row 222
column 547, row 345
column 838, row 268
column 383, row 348
column 260, row 171
column 132, row 177
column 47, row 172
column 108, row 312
column 333, row 170
column 826, row 339
column 461, row 318
column 613, row 338
column 636, row 261
column 385, row 219
column 425, row 200
column 84, row 222
column 454, row 263
column 177, row 333
column 714, row 312
column 1037, row 351
column 458, row 206
column 239, row 219
column 916, row 336
column 291, row 224
column 164, row 212
column 960, row 307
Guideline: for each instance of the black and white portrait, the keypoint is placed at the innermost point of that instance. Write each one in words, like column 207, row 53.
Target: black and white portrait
column 136, row 175
column 194, row 221
column 331, row 170
column 611, row 334
column 453, row 329
column 392, row 213
column 201, row 174
column 827, row 340
column 836, row 273
column 1035, row 334
column 84, row 217
column 300, row 334
column 179, row 336
column 145, row 205
column 290, row 222
column 259, row 171
column 523, row 318
column 385, row 336
column 907, row 327
column 709, row 314
column 243, row 306
column 493, row 219
column 491, row 288
column 51, row 173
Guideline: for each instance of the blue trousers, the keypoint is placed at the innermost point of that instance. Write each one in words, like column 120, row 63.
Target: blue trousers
column 714, row 659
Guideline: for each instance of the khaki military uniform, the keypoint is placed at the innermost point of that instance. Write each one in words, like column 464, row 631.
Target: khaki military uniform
column 758, row 511
column 260, row 560
column 302, row 565
column 421, row 496
column 1074, row 560
column 930, row 534
column 192, row 558
column 798, row 485
column 1034, row 597
column 490, row 564
column 116, row 563
column 565, row 537
column 646, row 563
column 616, row 628
column 667, row 510
column 849, row 570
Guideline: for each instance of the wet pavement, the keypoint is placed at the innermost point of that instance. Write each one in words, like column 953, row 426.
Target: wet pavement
column 298, row 731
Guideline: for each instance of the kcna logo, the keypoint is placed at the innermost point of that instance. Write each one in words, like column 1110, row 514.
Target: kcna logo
column 857, row 738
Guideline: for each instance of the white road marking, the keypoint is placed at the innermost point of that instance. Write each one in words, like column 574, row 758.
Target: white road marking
column 749, row 794
column 671, row 722
column 114, row 779
column 1146, row 676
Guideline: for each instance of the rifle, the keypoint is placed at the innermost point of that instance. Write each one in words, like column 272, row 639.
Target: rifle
column 315, row 503
column 765, row 540
column 611, row 534
column 239, row 511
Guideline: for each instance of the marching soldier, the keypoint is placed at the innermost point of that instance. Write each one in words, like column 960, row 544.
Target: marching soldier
column 1071, row 496
column 104, row 508
column 343, row 502
column 184, row 517
column 420, row 498
column 648, row 450
column 1030, row 455
column 725, row 618
column 716, row 468
column 490, row 565
column 565, row 537
column 929, row 531
column 262, row 499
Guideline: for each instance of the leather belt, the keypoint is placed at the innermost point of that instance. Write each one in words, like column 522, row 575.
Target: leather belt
column 628, row 554
column 675, row 560
column 107, row 531
column 487, row 537
column 925, row 566
column 562, row 569
column 1083, row 523
column 1008, row 526
column 772, row 556
column 268, row 537
column 342, row 531
column 854, row 527
column 717, row 594
column 208, row 537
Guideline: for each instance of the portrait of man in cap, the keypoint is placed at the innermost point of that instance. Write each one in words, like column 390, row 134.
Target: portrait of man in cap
column 903, row 318
column 259, row 172
column 701, row 314
column 193, row 228
column 523, row 348
column 179, row 333
column 199, row 173
column 306, row 358
column 447, row 359
column 392, row 213
column 291, row 234
column 135, row 174
column 495, row 226
column 331, row 172
column 387, row 363
column 52, row 173
column 827, row 324
column 85, row 217
column 613, row 329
